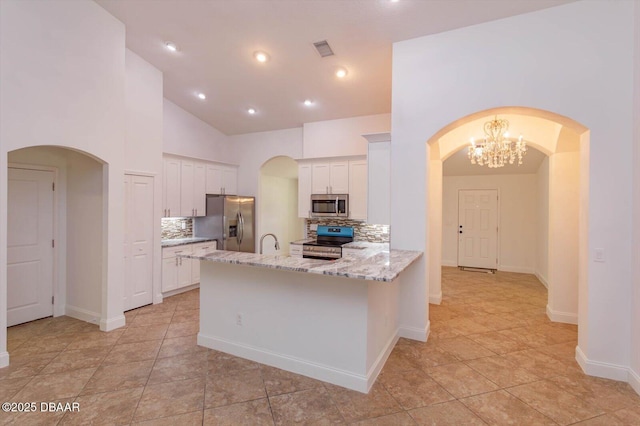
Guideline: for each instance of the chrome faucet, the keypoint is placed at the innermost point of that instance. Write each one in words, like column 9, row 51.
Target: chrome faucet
column 274, row 237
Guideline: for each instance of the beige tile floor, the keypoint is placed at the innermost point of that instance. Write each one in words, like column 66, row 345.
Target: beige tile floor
column 492, row 358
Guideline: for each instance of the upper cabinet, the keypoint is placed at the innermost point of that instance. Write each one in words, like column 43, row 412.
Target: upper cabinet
column 222, row 179
column 379, row 196
column 171, row 187
column 330, row 177
column 186, row 183
column 339, row 176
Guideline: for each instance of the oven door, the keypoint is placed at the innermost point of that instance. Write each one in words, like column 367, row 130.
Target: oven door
column 317, row 252
column 329, row 205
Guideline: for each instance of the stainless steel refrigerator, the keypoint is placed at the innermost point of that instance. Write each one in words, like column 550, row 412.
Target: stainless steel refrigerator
column 230, row 220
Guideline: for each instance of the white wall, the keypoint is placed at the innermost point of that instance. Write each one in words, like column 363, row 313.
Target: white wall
column 560, row 69
column 255, row 149
column 279, row 212
column 542, row 247
column 144, row 141
column 63, row 81
column 185, row 134
column 343, row 137
column 517, row 218
column 635, row 324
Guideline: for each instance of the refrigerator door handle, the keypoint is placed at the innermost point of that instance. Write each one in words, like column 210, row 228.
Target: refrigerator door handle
column 238, row 239
column 241, row 227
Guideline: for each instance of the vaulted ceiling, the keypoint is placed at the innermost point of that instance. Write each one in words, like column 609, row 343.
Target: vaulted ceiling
column 216, row 41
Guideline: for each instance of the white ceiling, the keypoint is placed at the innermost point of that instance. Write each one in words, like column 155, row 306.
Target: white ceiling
column 217, row 38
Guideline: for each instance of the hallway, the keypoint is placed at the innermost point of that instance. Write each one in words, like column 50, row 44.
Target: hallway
column 492, row 358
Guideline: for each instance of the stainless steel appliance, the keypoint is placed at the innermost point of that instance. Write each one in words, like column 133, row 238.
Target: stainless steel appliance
column 329, row 242
column 329, row 205
column 230, row 220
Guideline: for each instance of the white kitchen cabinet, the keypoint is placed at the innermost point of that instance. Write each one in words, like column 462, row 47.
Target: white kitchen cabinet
column 330, row 177
column 221, row 179
column 358, row 190
column 176, row 272
column 304, row 190
column 171, row 187
column 379, row 178
column 200, row 249
column 199, row 189
column 295, row 250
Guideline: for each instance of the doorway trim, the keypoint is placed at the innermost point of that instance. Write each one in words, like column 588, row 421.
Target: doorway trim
column 59, row 289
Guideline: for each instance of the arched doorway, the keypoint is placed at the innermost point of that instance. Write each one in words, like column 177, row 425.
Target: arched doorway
column 77, row 255
column 566, row 143
column 278, row 206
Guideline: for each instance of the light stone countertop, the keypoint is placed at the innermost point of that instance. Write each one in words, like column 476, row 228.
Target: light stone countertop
column 182, row 241
column 370, row 264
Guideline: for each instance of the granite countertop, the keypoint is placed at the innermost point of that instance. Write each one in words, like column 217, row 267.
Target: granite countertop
column 375, row 265
column 182, row 241
column 303, row 241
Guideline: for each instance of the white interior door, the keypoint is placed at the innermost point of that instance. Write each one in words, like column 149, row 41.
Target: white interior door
column 29, row 245
column 139, row 222
column 478, row 228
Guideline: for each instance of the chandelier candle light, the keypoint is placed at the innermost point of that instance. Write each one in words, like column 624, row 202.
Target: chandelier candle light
column 497, row 149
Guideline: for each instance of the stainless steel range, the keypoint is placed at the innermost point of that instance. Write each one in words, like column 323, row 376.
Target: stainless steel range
column 329, row 242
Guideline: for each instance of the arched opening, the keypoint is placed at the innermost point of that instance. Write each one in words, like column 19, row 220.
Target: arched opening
column 278, row 206
column 561, row 242
column 68, row 259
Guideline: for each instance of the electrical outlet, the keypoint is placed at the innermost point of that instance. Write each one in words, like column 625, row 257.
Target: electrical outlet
column 599, row 255
column 239, row 319
column 313, row 227
column 184, row 224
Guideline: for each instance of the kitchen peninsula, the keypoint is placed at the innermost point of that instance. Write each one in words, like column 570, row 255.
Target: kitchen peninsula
column 335, row 321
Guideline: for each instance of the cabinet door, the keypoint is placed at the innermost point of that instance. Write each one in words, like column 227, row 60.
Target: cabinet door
column 304, row 190
column 199, row 188
column 169, row 274
column 320, row 178
column 339, row 178
column 184, row 272
column 230, row 180
column 358, row 190
column 379, row 182
column 214, row 179
column 171, row 188
column 186, row 188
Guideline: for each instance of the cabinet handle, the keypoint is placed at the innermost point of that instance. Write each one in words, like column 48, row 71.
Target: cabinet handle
column 169, row 212
column 196, row 212
column 176, row 261
column 180, row 261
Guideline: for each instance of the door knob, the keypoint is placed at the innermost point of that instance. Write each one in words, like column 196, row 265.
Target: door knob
column 461, row 232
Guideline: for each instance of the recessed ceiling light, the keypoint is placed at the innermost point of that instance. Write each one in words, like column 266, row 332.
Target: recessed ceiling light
column 261, row 56
column 170, row 46
column 201, row 96
column 251, row 111
column 308, row 102
column 341, row 72
column 395, row 1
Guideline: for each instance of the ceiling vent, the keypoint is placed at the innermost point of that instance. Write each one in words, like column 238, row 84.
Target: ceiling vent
column 323, row 48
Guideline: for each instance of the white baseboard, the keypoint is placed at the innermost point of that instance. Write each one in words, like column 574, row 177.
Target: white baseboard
column 413, row 333
column 564, row 317
column 542, row 280
column 435, row 299
column 180, row 290
column 4, row 359
column 108, row 324
column 516, row 269
column 634, row 381
column 602, row 369
column 347, row 379
column 376, row 368
column 82, row 314
column 453, row 263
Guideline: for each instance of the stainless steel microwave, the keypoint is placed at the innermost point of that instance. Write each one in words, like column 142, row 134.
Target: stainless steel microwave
column 329, row 205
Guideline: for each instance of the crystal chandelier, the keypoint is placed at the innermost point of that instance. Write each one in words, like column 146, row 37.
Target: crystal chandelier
column 497, row 149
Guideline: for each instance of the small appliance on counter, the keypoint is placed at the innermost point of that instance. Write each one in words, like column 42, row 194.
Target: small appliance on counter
column 230, row 221
column 329, row 205
column 329, row 242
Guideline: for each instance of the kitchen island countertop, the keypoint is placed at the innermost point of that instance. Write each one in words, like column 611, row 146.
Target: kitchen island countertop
column 182, row 241
column 376, row 265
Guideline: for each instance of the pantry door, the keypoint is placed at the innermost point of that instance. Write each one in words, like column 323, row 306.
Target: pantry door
column 478, row 228
column 138, row 241
column 30, row 245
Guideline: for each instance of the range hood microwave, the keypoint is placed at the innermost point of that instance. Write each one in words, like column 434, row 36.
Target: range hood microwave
column 330, row 205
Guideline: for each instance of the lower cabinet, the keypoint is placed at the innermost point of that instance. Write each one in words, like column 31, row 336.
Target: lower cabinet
column 178, row 272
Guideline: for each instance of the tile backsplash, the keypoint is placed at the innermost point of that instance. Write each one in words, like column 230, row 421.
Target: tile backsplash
column 362, row 231
column 172, row 228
